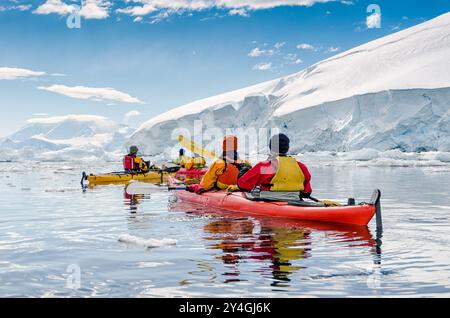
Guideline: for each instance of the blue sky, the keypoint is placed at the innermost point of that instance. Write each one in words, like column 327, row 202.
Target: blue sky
column 154, row 55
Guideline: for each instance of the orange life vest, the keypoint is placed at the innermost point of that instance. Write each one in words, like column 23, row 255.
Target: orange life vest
column 228, row 177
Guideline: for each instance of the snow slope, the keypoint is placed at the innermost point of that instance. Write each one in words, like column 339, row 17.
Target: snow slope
column 391, row 93
column 72, row 137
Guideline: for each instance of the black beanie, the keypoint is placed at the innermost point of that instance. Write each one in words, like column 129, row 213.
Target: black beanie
column 279, row 144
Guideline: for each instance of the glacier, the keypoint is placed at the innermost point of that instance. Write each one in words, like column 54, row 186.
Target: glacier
column 389, row 94
column 66, row 138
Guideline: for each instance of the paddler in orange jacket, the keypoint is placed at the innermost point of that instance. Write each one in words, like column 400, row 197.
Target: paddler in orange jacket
column 224, row 172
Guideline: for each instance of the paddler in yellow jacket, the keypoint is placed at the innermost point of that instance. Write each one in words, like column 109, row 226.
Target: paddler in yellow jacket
column 182, row 159
column 197, row 162
column 280, row 173
column 224, row 172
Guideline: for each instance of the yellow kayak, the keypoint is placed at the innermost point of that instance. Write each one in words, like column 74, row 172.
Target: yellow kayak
column 108, row 178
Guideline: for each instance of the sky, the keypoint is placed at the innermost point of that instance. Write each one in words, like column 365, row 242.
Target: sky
column 130, row 60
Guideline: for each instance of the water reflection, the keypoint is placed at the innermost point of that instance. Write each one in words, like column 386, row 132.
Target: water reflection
column 241, row 240
column 132, row 201
column 279, row 247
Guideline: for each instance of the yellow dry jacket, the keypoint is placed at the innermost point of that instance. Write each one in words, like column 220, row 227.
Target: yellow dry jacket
column 289, row 176
column 195, row 163
column 142, row 166
column 220, row 175
column 182, row 160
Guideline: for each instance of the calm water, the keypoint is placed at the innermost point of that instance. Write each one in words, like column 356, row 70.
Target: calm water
column 49, row 229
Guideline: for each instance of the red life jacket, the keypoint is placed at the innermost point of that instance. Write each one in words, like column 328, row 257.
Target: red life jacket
column 128, row 163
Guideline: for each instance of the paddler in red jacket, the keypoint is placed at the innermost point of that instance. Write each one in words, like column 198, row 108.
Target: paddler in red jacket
column 280, row 173
column 134, row 163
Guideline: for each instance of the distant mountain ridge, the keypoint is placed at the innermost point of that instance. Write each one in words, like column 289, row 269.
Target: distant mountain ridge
column 71, row 137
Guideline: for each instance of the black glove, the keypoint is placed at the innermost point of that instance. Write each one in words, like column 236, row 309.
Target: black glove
column 305, row 195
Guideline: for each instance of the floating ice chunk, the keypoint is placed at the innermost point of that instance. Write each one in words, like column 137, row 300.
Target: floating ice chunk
column 363, row 155
column 443, row 156
column 149, row 243
column 397, row 154
column 153, row 264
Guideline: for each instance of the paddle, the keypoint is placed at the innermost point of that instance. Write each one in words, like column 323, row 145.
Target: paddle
column 136, row 188
column 196, row 148
column 199, row 149
column 326, row 202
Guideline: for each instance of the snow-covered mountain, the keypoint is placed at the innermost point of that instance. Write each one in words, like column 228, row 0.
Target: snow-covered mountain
column 392, row 93
column 71, row 137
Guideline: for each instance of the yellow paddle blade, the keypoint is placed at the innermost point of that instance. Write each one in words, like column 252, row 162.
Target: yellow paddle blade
column 195, row 147
column 330, row 203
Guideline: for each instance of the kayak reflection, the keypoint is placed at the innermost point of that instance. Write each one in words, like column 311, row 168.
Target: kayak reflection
column 133, row 200
column 279, row 246
column 239, row 243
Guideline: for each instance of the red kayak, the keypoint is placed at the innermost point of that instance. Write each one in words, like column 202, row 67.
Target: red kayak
column 360, row 214
column 344, row 232
column 193, row 173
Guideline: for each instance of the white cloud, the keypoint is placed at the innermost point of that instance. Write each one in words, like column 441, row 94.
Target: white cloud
column 11, row 73
column 138, row 10
column 263, row 66
column 91, row 9
column 132, row 113
column 306, row 46
column 373, row 21
column 20, row 7
column 292, row 59
column 198, row 5
column 332, row 49
column 54, row 6
column 92, row 93
column 95, row 9
column 241, row 12
column 256, row 52
column 100, row 9
column 279, row 45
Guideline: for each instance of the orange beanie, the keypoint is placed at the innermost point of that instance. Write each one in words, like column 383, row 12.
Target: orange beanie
column 230, row 143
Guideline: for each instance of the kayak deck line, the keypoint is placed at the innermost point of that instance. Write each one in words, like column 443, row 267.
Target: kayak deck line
column 360, row 214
